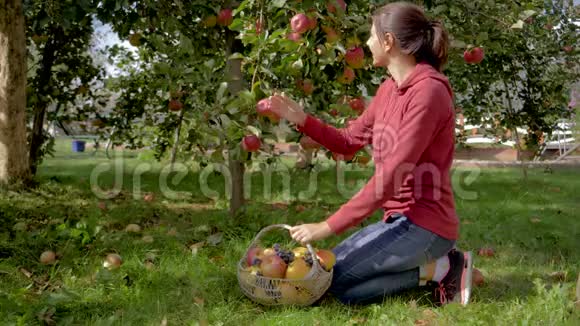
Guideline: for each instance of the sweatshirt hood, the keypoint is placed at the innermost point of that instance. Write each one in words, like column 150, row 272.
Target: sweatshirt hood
column 421, row 72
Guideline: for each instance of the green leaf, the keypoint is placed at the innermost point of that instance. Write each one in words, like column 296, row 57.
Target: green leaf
column 439, row 9
column 518, row 25
column 236, row 25
column 458, row 44
column 236, row 55
column 225, row 121
column 527, row 14
column 241, row 7
column 209, row 63
column 255, row 131
column 278, row 3
column 186, row 43
column 217, row 156
column 277, row 33
column 221, row 91
column 163, row 68
column 482, row 37
column 298, row 64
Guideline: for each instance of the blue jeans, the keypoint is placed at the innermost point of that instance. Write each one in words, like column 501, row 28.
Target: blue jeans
column 383, row 259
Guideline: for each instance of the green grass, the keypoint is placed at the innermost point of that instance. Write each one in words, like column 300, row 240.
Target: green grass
column 532, row 226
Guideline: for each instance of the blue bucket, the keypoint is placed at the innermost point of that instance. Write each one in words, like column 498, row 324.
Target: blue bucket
column 78, row 146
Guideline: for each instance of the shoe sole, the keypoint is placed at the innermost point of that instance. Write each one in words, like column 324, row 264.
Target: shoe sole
column 466, row 279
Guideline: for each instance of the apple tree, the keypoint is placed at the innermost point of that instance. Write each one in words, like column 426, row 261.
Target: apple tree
column 61, row 70
column 512, row 63
column 202, row 67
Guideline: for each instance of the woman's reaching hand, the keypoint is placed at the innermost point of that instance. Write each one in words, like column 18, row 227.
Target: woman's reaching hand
column 307, row 233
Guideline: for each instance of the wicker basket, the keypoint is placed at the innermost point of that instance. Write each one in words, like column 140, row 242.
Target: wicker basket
column 280, row 291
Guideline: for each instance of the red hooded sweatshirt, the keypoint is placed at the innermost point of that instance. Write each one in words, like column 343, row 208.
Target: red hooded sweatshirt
column 411, row 129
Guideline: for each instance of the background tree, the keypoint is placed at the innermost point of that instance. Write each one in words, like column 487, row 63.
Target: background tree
column 13, row 159
column 59, row 34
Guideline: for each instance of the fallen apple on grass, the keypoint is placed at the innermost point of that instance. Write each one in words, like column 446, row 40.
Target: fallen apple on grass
column 133, row 228
column 486, row 252
column 477, row 278
column 112, row 261
column 48, row 257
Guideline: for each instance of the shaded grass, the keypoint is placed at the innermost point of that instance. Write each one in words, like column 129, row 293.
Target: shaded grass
column 532, row 227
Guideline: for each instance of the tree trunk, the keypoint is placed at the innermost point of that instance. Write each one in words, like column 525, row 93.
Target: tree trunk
column 176, row 140
column 110, row 142
column 13, row 159
column 578, row 292
column 524, row 166
column 305, row 157
column 45, row 72
column 235, row 85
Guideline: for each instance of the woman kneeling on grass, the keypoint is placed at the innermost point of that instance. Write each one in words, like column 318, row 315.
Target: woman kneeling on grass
column 410, row 124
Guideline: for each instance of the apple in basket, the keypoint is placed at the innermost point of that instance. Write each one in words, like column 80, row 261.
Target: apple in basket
column 268, row 252
column 299, row 252
column 298, row 269
column 292, row 294
column 326, row 259
column 262, row 294
column 249, row 275
column 273, row 266
column 252, row 254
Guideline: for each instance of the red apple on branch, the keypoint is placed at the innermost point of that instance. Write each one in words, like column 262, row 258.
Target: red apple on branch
column 474, row 56
column 355, row 57
column 210, row 21
column 335, row 6
column 331, row 34
column 259, row 26
column 312, row 22
column 294, row 37
column 175, row 105
column 225, row 17
column 251, row 143
column 347, row 76
column 306, row 86
column 357, row 104
column 300, row 23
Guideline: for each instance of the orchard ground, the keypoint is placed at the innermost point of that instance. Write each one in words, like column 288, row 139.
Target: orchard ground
column 181, row 267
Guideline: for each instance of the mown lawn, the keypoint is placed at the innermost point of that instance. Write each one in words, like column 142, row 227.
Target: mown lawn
column 533, row 228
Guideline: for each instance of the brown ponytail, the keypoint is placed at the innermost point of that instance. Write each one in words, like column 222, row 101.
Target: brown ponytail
column 426, row 40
